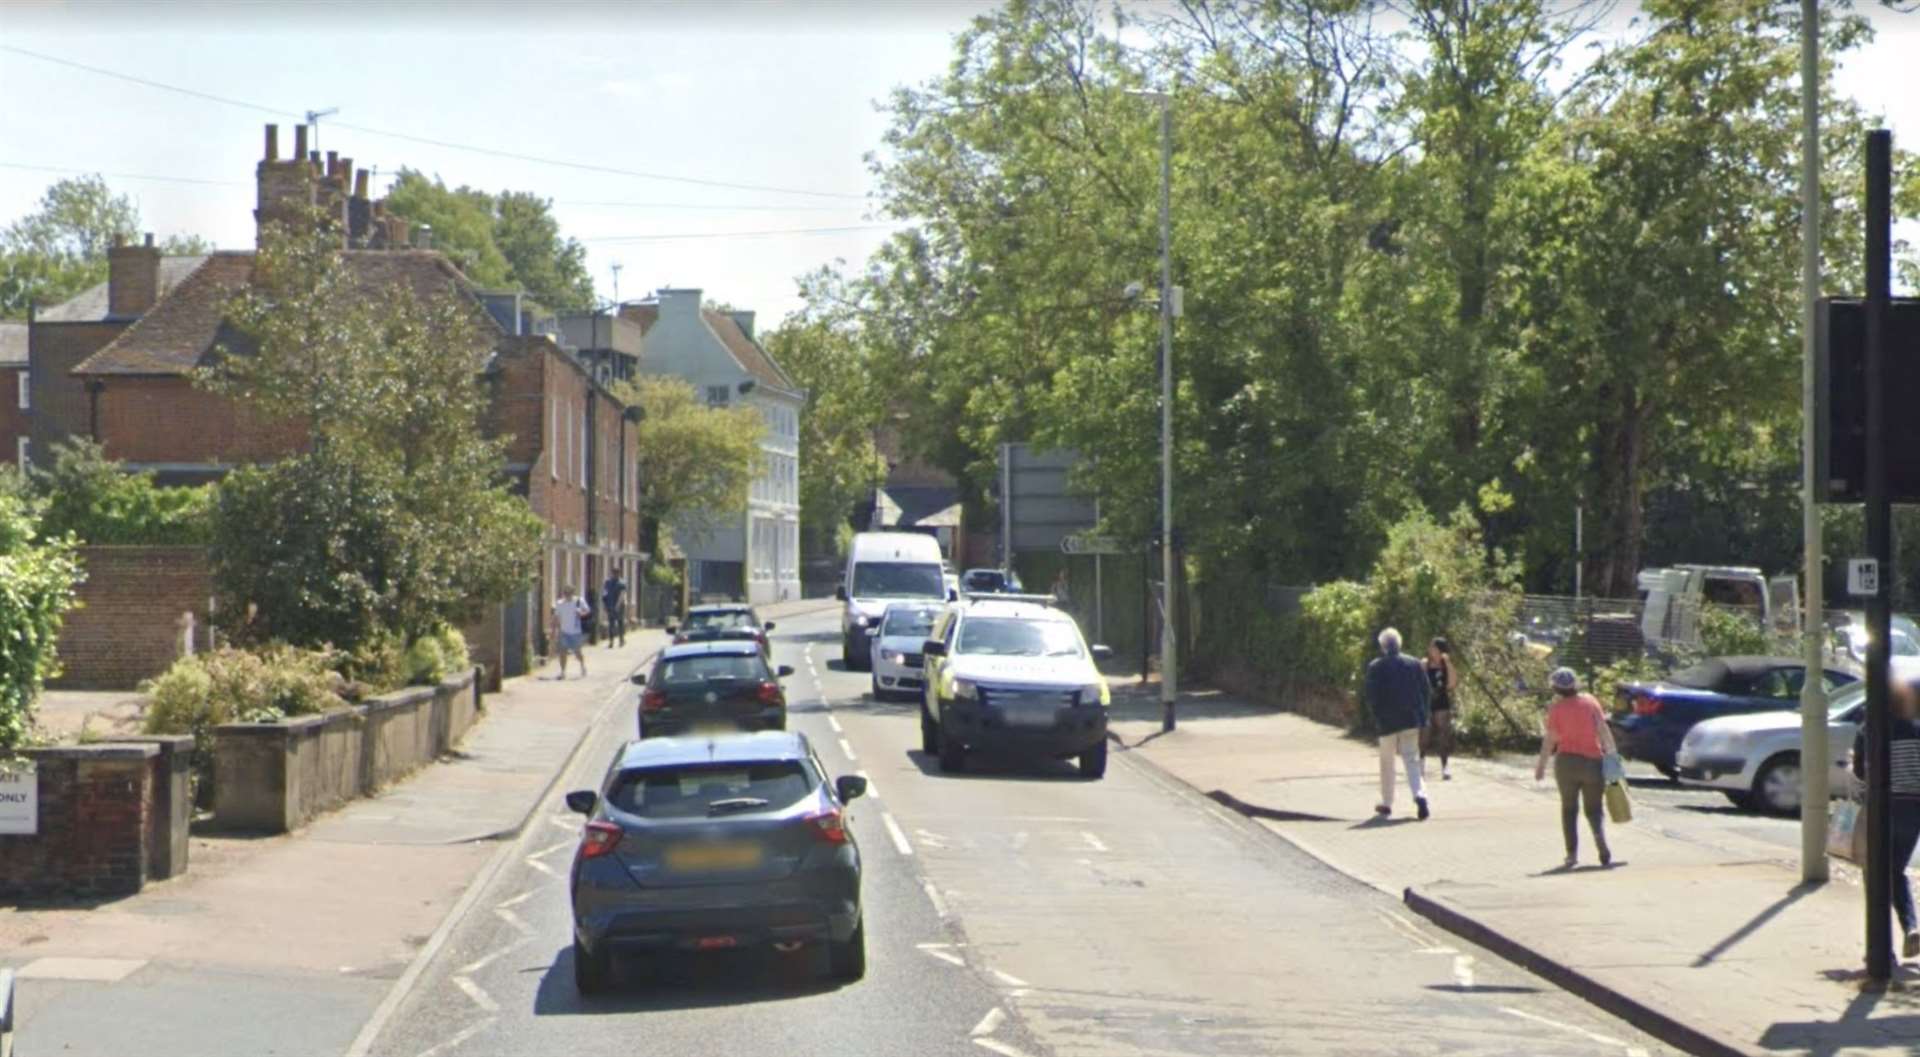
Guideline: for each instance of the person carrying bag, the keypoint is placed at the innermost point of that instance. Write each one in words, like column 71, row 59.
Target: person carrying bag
column 1576, row 737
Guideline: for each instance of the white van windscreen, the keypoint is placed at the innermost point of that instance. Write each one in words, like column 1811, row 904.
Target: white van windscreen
column 898, row 580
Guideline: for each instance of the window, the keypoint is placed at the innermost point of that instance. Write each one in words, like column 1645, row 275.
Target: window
column 26, row 390
column 583, row 451
column 22, row 454
column 706, row 790
column 569, row 435
column 717, row 395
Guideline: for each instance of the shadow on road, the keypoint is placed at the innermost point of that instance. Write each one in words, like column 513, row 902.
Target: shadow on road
column 684, row 980
column 998, row 768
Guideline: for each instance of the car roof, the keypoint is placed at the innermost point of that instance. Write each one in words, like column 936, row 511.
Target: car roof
column 712, row 647
column 720, row 607
column 717, row 748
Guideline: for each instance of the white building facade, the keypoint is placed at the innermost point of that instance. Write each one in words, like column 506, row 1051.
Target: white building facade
column 753, row 554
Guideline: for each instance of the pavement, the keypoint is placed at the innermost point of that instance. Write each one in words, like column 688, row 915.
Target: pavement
column 1701, row 934
column 306, row 934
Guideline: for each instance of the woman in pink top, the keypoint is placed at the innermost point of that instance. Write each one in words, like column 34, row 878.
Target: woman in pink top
column 1576, row 736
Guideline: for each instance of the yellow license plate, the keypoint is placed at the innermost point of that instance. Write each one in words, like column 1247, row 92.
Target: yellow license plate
column 714, row 857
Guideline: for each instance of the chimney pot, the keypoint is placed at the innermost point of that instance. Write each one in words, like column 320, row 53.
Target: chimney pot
column 149, row 242
column 273, row 142
column 360, row 184
column 333, row 162
column 299, row 142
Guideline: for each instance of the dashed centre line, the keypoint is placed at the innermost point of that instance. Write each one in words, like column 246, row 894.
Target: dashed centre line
column 834, row 723
column 1092, row 841
column 847, row 748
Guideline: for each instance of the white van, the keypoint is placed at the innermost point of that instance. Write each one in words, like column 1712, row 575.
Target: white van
column 885, row 567
column 1674, row 598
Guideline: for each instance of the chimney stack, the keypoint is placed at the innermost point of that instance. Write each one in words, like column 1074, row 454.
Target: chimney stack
column 273, row 142
column 299, row 142
column 285, row 189
column 133, row 279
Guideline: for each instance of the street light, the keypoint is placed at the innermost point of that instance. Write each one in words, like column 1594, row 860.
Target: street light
column 1169, row 635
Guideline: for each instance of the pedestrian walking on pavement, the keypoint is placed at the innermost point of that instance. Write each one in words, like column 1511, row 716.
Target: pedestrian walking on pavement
column 1441, row 679
column 1575, row 734
column 613, row 598
column 1903, row 818
column 568, row 613
column 1396, row 692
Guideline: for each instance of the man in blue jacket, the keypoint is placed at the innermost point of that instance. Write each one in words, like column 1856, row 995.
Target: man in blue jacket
column 1397, row 694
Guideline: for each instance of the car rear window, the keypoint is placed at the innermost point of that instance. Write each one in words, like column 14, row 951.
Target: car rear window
column 692, row 791
column 691, row 671
column 729, row 619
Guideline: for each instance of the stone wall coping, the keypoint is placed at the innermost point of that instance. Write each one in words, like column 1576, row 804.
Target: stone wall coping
column 387, row 702
column 97, row 751
column 176, row 742
column 293, row 725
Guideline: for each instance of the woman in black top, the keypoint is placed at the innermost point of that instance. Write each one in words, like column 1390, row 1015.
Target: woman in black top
column 1441, row 679
column 1903, row 755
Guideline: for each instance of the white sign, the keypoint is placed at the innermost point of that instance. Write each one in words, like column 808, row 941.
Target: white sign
column 1090, row 545
column 1863, row 577
column 19, row 798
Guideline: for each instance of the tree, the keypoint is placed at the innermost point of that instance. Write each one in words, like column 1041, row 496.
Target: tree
column 61, row 249
column 38, row 575
column 696, row 463
column 399, row 518
column 508, row 239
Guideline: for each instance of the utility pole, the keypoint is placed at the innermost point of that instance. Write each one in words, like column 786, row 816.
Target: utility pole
column 1880, row 547
column 1814, row 791
column 1169, row 593
column 313, row 119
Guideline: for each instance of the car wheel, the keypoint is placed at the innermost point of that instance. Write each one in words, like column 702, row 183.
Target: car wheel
column 846, row 653
column 1093, row 762
column 929, row 733
column 1671, row 774
column 1776, row 789
column 953, row 754
column 590, row 970
column 849, row 960
column 1743, row 801
column 878, row 694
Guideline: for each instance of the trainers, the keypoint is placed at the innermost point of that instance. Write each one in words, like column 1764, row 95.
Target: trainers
column 1911, row 949
column 1446, row 773
column 1421, row 803
column 1382, row 810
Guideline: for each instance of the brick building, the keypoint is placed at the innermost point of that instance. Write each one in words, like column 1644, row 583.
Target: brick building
column 116, row 362
column 16, row 394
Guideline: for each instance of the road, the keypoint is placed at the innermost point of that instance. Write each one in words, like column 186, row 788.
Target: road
column 1013, row 910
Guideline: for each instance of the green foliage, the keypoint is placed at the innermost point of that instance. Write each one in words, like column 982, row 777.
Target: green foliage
column 61, row 249
column 201, row 692
column 696, row 463
column 37, row 581
column 509, row 239
column 1337, row 633
column 1605, row 682
column 436, row 657
column 1730, row 633
column 100, row 502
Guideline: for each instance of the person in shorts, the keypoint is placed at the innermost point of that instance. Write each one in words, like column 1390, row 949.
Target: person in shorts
column 568, row 613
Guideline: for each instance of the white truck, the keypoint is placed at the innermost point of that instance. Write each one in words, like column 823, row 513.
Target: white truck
column 1674, row 597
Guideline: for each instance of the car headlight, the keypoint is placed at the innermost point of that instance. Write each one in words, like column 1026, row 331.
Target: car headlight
column 965, row 690
column 859, row 620
column 890, row 656
column 1094, row 693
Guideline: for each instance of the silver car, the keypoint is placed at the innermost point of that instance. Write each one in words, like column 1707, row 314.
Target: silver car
column 898, row 638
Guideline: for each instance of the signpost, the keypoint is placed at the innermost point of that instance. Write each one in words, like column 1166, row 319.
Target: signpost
column 1084, row 544
column 19, row 798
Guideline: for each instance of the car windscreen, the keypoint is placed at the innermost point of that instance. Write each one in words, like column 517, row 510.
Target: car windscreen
column 707, row 790
column 1010, row 637
column 909, row 622
column 726, row 618
column 898, row 580
column 708, row 668
column 985, row 581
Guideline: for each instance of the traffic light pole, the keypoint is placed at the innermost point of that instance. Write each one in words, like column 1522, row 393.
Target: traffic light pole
column 1880, row 548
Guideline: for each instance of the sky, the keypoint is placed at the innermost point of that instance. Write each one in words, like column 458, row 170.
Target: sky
column 777, row 100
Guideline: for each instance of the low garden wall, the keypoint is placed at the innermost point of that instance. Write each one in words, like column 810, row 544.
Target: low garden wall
column 111, row 816
column 275, row 777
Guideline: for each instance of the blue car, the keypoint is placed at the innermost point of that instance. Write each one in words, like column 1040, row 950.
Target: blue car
column 1653, row 717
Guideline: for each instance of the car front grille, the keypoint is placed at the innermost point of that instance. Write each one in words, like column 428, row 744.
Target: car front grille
column 1018, row 698
column 913, row 660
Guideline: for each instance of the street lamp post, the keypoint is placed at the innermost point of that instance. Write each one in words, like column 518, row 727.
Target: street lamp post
column 1813, row 696
column 1169, row 633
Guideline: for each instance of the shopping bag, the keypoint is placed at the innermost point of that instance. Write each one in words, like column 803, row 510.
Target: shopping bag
column 1619, row 806
column 1613, row 768
column 1847, row 831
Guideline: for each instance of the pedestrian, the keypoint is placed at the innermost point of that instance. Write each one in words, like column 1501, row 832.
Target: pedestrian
column 1441, row 679
column 1576, row 735
column 1903, row 816
column 568, row 613
column 1397, row 695
column 613, row 595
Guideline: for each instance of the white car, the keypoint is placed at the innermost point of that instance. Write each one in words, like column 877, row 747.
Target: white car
column 1755, row 758
column 898, row 639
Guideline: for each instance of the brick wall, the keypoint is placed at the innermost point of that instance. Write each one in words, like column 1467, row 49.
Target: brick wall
column 147, row 420
column 14, row 422
column 61, row 407
column 97, row 823
column 127, row 627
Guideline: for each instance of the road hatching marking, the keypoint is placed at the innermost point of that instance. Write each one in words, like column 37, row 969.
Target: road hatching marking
column 989, row 1023
column 480, row 997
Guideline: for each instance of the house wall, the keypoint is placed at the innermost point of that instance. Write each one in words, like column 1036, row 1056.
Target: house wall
column 129, row 624
column 16, row 422
column 61, row 408
column 169, row 423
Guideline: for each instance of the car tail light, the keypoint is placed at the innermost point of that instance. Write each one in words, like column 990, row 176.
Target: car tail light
column 770, row 694
column 1645, row 704
column 828, row 826
column 598, row 839
column 653, row 700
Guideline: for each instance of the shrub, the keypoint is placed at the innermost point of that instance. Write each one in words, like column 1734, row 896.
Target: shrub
column 37, row 578
column 425, row 662
column 98, row 501
column 453, row 650
column 1336, row 633
column 201, row 692
column 1731, row 633
column 378, row 664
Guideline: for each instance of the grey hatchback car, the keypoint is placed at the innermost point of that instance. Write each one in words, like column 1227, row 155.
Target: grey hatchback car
column 712, row 843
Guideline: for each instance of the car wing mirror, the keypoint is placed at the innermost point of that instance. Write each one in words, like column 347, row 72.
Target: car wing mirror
column 582, row 801
column 935, row 648
column 1103, row 653
column 784, row 670
column 850, row 787
column 638, row 678
column 768, row 626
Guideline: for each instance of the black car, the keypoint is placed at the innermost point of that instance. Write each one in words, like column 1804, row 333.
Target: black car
column 990, row 581
column 725, row 683
column 709, row 623
column 715, row 843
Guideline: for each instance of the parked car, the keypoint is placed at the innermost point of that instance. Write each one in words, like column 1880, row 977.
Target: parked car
column 1755, row 758
column 991, row 581
column 727, row 620
column 722, row 683
column 716, row 843
column 1011, row 673
column 1654, row 717
column 898, row 638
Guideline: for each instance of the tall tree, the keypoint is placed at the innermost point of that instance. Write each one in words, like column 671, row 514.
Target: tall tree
column 60, row 249
column 506, row 239
column 696, row 463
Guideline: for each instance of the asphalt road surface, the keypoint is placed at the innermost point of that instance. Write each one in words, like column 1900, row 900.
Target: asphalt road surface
column 1014, row 910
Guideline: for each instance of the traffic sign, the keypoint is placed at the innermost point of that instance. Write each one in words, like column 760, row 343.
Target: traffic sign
column 1081, row 544
column 1863, row 577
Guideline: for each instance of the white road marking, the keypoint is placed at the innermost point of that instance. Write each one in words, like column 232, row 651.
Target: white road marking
column 899, row 837
column 930, row 838
column 469, row 1032
column 946, row 956
column 566, row 822
column 1463, row 970
column 1604, row 1040
column 1001, row 1048
column 480, row 998
column 989, row 1023
column 513, row 919
column 551, row 848
column 873, row 791
column 1436, row 950
column 1020, row 840
column 540, row 866
column 515, row 901
column 485, row 960
column 1092, row 841
column 848, row 749
column 1407, row 928
column 835, row 724
column 1009, row 979
column 937, row 946
column 933, row 896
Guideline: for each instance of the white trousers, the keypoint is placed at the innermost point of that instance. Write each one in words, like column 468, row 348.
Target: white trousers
column 1406, row 745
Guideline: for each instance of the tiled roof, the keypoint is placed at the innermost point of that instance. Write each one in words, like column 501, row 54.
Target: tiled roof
column 176, row 335
column 752, row 358
column 90, row 305
column 645, row 314
column 13, row 344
